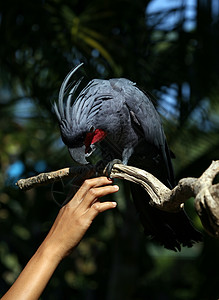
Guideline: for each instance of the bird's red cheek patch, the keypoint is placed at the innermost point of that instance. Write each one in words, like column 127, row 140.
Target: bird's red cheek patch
column 94, row 137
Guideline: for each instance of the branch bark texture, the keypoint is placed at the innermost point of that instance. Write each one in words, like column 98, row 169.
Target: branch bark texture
column 46, row 178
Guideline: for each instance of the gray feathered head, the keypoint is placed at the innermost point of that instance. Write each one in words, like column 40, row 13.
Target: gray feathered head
column 75, row 117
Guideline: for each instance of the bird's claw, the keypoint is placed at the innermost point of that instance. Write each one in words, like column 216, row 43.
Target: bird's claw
column 108, row 169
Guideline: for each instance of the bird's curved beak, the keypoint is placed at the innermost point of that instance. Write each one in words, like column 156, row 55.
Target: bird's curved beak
column 78, row 154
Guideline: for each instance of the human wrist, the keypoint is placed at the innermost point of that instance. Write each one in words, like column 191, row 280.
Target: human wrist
column 50, row 252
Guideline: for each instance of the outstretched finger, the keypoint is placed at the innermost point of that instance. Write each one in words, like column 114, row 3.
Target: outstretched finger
column 95, row 193
column 87, row 185
column 99, row 207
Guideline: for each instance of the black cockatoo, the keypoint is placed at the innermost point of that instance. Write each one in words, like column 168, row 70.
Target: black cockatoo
column 122, row 120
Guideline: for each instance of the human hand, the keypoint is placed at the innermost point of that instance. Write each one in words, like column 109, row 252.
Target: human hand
column 77, row 215
column 68, row 229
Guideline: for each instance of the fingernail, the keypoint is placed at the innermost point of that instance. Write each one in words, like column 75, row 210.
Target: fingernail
column 116, row 187
column 110, row 179
column 114, row 204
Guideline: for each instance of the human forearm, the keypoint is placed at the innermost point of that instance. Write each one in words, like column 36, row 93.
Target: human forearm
column 35, row 276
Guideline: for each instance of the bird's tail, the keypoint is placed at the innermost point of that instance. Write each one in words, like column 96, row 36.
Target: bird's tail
column 172, row 230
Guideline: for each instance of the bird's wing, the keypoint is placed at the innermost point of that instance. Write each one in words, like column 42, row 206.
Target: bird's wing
column 146, row 118
column 170, row 229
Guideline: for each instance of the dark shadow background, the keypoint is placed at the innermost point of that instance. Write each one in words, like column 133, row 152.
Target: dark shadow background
column 172, row 53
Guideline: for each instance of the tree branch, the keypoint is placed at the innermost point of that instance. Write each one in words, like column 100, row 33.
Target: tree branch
column 46, row 178
column 205, row 193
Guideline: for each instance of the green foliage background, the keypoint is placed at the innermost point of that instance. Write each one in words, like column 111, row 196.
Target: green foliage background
column 40, row 42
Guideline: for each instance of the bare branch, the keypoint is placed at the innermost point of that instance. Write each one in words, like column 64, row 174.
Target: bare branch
column 161, row 197
column 206, row 195
column 46, row 178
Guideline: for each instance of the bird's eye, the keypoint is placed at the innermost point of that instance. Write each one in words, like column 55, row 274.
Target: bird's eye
column 92, row 129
